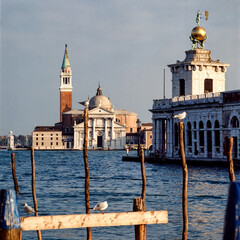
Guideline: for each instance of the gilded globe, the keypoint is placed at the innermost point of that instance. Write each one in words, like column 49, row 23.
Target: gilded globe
column 198, row 33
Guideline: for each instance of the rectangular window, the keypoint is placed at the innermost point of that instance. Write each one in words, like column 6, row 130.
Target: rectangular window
column 182, row 87
column 208, row 85
column 42, row 143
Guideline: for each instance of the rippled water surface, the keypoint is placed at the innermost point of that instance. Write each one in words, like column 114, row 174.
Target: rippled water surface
column 60, row 190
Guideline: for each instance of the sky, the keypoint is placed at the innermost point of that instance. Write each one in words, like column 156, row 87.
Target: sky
column 124, row 45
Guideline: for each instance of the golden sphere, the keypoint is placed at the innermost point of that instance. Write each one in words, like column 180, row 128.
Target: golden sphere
column 198, row 33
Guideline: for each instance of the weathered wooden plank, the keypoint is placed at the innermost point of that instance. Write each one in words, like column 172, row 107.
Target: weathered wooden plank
column 93, row 220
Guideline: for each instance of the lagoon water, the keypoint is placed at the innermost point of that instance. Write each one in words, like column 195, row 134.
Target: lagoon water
column 60, row 190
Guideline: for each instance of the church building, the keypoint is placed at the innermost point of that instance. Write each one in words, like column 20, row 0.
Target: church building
column 213, row 114
column 107, row 126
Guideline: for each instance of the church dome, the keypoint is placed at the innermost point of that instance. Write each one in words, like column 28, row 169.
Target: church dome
column 100, row 100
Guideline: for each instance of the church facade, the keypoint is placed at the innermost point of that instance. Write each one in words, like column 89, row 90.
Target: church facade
column 213, row 114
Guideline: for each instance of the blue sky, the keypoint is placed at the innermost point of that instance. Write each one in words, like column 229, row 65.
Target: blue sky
column 123, row 44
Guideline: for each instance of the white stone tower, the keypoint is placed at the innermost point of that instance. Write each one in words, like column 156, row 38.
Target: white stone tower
column 197, row 74
column 11, row 141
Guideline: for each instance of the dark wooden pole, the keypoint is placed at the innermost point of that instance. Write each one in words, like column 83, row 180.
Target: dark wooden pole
column 185, row 181
column 10, row 224
column 139, row 203
column 230, row 160
column 16, row 187
column 144, row 179
column 34, row 190
column 87, row 175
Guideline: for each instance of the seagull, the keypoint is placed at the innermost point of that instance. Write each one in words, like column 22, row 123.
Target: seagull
column 85, row 103
column 180, row 115
column 101, row 206
column 27, row 208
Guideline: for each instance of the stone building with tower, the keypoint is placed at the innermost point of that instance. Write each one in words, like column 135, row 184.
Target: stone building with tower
column 213, row 114
column 107, row 126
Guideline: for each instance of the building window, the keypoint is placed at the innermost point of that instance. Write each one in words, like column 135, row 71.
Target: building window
column 189, row 134
column 217, row 135
column 42, row 143
column 182, row 87
column 36, row 138
column 131, row 130
column 208, row 85
column 176, row 134
column 51, row 143
column 209, row 137
column 42, row 138
column 57, row 143
column 201, row 136
column 36, row 143
column 234, row 122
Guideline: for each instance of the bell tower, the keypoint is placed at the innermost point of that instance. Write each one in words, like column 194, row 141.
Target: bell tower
column 65, row 85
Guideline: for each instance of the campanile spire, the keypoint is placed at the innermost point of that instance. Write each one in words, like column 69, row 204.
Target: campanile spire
column 65, row 85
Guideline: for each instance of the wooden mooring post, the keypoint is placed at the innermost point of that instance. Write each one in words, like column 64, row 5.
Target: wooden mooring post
column 10, row 227
column 185, row 182
column 86, row 165
column 16, row 187
column 34, row 190
column 139, row 203
column 230, row 160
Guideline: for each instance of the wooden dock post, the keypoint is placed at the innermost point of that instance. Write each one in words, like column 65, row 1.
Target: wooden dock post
column 16, row 187
column 230, row 160
column 10, row 224
column 139, row 203
column 185, row 182
column 34, row 190
column 87, row 174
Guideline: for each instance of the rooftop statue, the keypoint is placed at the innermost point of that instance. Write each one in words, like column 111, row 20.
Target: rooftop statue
column 198, row 35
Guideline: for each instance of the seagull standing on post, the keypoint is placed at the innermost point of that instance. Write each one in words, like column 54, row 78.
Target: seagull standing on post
column 85, row 103
column 180, row 116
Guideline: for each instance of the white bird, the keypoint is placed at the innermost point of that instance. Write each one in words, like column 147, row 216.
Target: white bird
column 85, row 103
column 27, row 208
column 101, row 206
column 180, row 115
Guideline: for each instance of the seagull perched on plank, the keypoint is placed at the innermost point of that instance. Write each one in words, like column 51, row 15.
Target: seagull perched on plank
column 180, row 115
column 101, row 206
column 27, row 208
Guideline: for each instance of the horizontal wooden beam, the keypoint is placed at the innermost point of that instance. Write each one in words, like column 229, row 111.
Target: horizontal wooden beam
column 93, row 220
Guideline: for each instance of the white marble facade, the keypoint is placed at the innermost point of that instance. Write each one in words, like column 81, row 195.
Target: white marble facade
column 104, row 131
column 212, row 116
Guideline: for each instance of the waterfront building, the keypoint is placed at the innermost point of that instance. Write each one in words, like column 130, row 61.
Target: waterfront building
column 47, row 138
column 213, row 114
column 107, row 127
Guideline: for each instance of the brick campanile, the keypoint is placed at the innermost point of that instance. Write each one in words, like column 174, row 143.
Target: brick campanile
column 65, row 85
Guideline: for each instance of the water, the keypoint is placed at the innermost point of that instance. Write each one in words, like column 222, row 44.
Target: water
column 60, row 190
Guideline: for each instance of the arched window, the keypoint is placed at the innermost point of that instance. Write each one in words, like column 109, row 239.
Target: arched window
column 201, row 136
column 217, row 134
column 209, row 137
column 216, row 124
column 209, row 124
column 176, row 134
column 189, row 134
column 235, row 122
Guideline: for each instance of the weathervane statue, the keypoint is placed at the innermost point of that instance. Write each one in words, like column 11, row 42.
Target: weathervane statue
column 198, row 34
